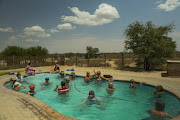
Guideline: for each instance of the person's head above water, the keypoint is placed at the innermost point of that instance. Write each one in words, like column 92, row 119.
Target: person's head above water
column 63, row 83
column 159, row 88
column 99, row 73
column 66, row 79
column 91, row 94
column 17, row 84
column 88, row 73
column 110, row 85
column 159, row 105
column 132, row 81
column 18, row 75
column 32, row 87
column 47, row 79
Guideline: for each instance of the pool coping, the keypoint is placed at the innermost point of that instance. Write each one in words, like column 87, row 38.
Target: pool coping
column 51, row 111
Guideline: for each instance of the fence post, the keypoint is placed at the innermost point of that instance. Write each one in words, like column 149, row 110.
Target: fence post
column 88, row 59
column 105, row 60
column 76, row 61
column 13, row 61
column 122, row 58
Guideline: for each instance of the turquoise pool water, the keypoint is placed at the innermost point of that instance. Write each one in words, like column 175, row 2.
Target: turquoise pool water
column 113, row 106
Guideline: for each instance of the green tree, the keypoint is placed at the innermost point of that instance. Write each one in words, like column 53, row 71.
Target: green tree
column 150, row 43
column 91, row 51
column 14, row 51
column 37, row 51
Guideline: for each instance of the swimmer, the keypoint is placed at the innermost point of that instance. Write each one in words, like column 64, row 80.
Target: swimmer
column 17, row 86
column 31, row 92
column 98, row 75
column 63, row 88
column 46, row 83
column 158, row 113
column 68, row 84
column 92, row 99
column 110, row 88
column 132, row 84
column 56, row 69
column 159, row 91
column 88, row 77
column 62, row 74
column 73, row 75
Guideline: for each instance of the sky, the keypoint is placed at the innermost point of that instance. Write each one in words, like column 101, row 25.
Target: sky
column 70, row 25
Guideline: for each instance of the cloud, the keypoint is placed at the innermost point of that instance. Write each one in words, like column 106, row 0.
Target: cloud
column 31, row 40
column 36, row 31
column 53, row 30
column 176, row 34
column 66, row 26
column 169, row 5
column 7, row 29
column 103, row 15
column 11, row 41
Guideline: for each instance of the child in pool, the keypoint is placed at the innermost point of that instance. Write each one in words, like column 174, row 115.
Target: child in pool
column 63, row 88
column 73, row 75
column 46, row 83
column 62, row 74
column 159, row 91
column 132, row 84
column 110, row 88
column 31, row 92
column 68, row 84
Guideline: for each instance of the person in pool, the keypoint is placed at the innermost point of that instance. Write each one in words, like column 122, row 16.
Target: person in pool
column 159, row 91
column 56, row 69
column 100, row 77
column 110, row 88
column 31, row 92
column 132, row 84
column 68, row 84
column 29, row 70
column 88, row 77
column 46, row 83
column 62, row 74
column 92, row 99
column 63, row 88
column 73, row 75
column 19, row 77
column 17, row 86
column 158, row 113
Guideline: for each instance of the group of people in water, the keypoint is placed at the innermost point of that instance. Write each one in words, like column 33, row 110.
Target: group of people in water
column 155, row 114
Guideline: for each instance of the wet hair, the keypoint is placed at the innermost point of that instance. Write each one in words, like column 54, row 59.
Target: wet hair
column 159, row 105
column 159, row 88
column 18, row 74
column 63, row 83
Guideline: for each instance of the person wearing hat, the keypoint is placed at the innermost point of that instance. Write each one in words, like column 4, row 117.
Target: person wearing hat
column 68, row 84
column 17, row 86
column 110, row 88
column 62, row 74
column 92, row 99
column 46, row 83
column 31, row 92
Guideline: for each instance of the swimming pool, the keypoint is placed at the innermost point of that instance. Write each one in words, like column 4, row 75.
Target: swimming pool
column 124, row 103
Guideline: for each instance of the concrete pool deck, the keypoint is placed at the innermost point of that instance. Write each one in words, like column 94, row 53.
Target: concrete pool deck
column 19, row 106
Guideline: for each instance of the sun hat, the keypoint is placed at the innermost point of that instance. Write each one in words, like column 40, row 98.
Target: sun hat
column 17, row 84
column 66, row 78
column 91, row 92
column 47, row 78
column 31, row 86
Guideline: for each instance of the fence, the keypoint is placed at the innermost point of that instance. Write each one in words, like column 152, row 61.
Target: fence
column 117, row 60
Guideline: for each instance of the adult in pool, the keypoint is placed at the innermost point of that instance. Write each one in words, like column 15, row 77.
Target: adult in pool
column 158, row 113
column 73, row 75
column 29, row 70
column 110, row 88
column 159, row 91
column 17, row 86
column 56, row 69
column 92, row 99
column 31, row 92
column 88, row 77
column 46, row 83
column 63, row 88
column 132, row 84
column 99, row 76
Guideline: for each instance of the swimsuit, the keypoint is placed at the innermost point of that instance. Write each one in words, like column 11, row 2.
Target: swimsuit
column 56, row 68
column 30, row 70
